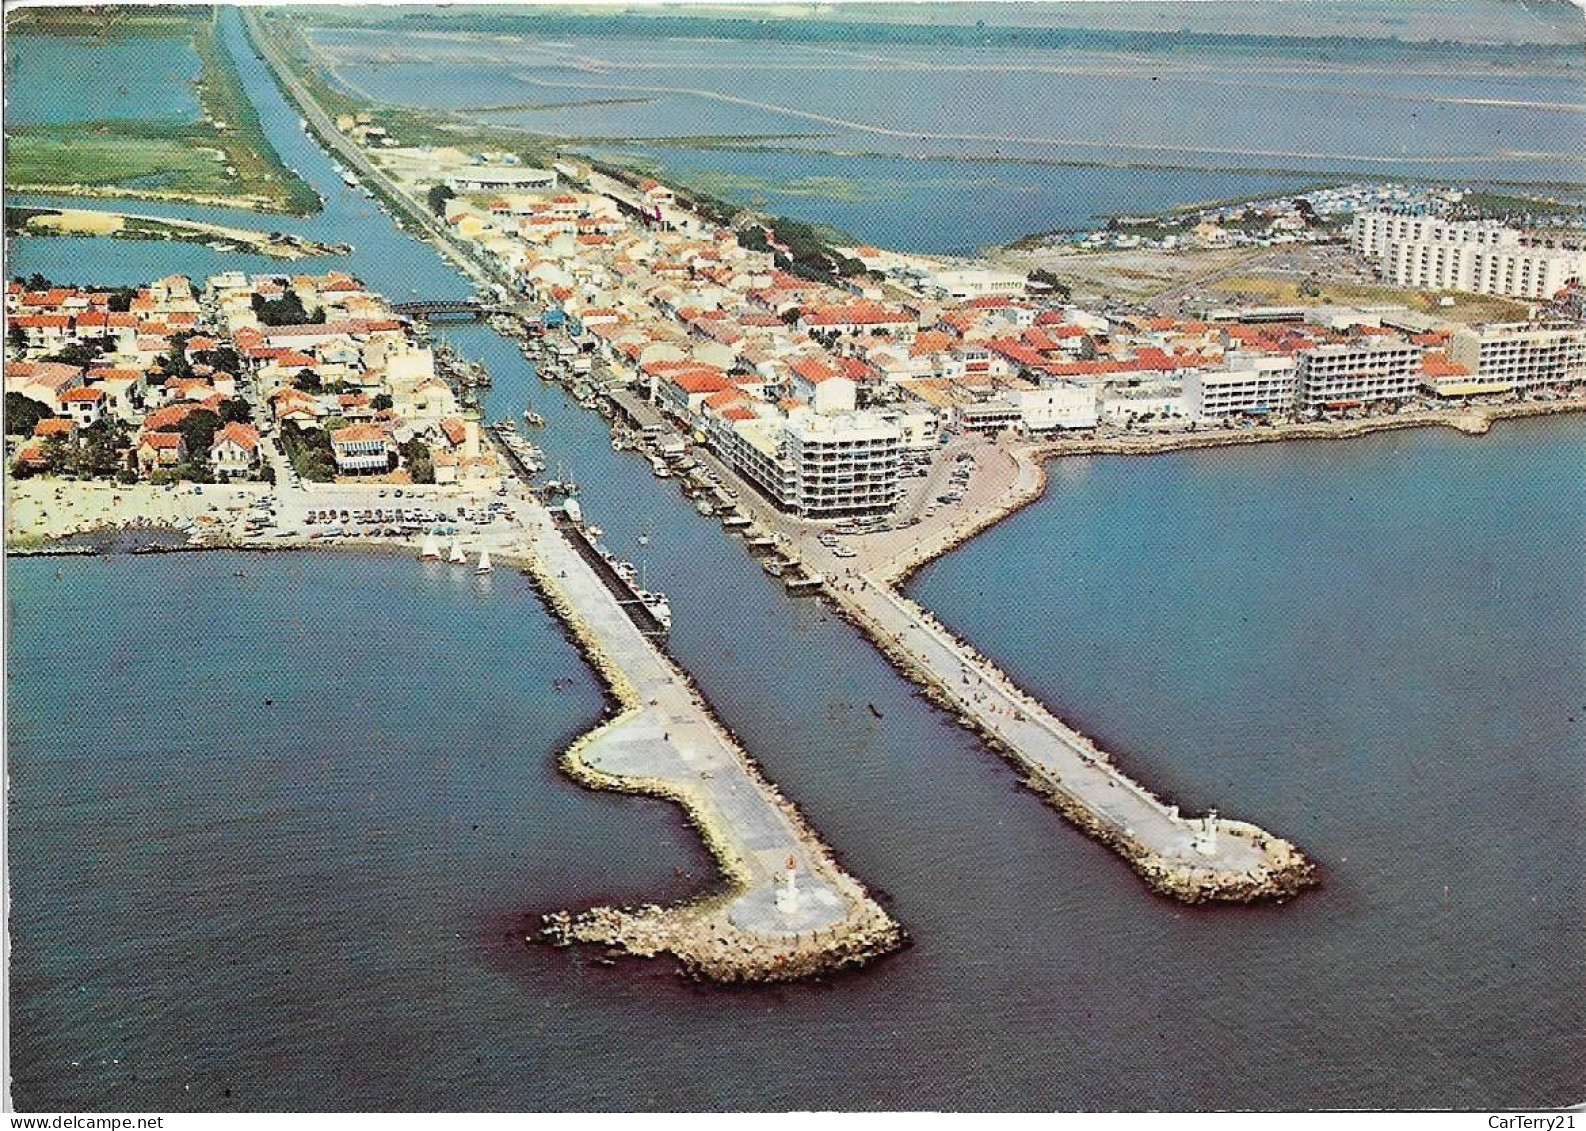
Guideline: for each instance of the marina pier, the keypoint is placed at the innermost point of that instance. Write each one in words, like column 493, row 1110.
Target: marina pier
column 789, row 909
column 1193, row 859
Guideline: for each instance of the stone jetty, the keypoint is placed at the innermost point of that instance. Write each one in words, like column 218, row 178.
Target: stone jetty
column 787, row 910
column 1194, row 859
column 1191, row 859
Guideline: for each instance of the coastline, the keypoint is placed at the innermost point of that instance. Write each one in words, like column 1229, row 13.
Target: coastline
column 1471, row 420
column 1284, row 870
column 658, row 737
column 1031, row 458
column 45, row 223
column 1179, row 856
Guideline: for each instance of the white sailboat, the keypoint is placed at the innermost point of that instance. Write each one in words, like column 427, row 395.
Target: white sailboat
column 456, row 555
column 484, row 565
column 431, row 551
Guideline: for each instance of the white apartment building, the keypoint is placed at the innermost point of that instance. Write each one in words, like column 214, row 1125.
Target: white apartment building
column 1482, row 257
column 1248, row 385
column 501, row 178
column 1051, row 407
column 1348, row 373
column 966, row 283
column 822, row 466
column 1371, row 233
column 920, row 428
column 1513, row 272
column 1521, row 356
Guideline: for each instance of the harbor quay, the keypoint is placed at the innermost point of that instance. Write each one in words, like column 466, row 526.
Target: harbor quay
column 1188, row 858
column 788, row 910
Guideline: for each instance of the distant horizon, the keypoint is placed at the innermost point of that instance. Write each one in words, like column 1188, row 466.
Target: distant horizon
column 1486, row 22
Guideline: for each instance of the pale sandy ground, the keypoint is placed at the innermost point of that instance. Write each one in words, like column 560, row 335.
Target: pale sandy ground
column 40, row 509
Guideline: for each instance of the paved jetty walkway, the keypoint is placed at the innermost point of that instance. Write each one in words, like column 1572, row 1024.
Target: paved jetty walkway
column 790, row 910
column 1188, row 858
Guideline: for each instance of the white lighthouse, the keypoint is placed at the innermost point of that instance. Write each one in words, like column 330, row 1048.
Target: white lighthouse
column 1206, row 838
column 787, row 894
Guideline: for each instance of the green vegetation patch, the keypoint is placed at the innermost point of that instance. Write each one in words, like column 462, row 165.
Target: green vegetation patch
column 182, row 158
column 112, row 21
column 115, row 154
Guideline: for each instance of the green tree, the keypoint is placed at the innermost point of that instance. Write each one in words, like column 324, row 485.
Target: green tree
column 235, row 411
column 308, row 381
column 288, row 310
column 23, row 414
column 198, row 431
column 81, row 354
column 416, row 457
column 221, row 358
column 381, row 402
column 16, row 336
column 1045, row 278
column 102, row 449
column 58, row 453
column 438, row 196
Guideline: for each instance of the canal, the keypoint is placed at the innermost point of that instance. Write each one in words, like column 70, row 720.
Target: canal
column 1043, row 975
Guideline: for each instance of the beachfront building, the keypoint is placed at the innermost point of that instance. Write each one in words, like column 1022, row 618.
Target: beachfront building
column 818, row 466
column 361, row 449
column 1482, row 257
column 988, row 416
column 234, row 453
column 1351, row 374
column 1052, row 407
column 42, row 381
column 1520, row 356
column 161, row 451
column 84, row 406
column 1245, row 385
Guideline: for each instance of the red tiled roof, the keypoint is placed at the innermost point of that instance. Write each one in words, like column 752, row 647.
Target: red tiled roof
column 359, row 433
column 243, row 435
column 813, row 370
column 165, row 419
column 702, row 381
column 1438, row 365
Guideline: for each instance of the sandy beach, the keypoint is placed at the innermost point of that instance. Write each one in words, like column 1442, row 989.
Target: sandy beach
column 42, row 510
